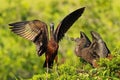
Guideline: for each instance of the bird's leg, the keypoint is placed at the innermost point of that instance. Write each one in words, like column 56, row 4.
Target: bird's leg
column 56, row 59
column 47, row 66
column 109, row 56
column 94, row 63
column 47, row 63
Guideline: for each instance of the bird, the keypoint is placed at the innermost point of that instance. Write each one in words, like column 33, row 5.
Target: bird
column 37, row 32
column 101, row 48
column 91, row 51
column 85, row 49
column 82, row 42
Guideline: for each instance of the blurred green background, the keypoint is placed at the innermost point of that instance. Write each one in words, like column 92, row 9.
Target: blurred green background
column 18, row 58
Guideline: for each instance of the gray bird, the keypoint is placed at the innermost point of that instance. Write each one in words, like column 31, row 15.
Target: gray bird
column 100, row 48
column 85, row 49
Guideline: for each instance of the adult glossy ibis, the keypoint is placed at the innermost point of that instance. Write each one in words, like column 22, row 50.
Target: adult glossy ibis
column 37, row 32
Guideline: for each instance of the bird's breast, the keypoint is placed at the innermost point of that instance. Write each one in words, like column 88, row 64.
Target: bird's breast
column 78, row 51
column 52, row 47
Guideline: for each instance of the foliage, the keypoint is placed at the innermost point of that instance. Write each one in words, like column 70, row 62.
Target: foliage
column 18, row 58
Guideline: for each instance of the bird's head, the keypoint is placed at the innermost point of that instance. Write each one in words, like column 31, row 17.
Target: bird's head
column 52, row 31
column 52, row 27
column 84, row 40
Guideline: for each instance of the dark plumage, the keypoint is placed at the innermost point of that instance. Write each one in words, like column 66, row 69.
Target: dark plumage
column 82, row 42
column 91, row 51
column 37, row 32
column 85, row 49
column 101, row 48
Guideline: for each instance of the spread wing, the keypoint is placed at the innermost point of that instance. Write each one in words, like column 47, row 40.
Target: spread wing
column 35, row 31
column 100, row 44
column 66, row 23
column 87, row 41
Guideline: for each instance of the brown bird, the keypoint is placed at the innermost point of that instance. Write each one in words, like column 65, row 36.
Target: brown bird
column 101, row 48
column 37, row 32
column 91, row 51
column 85, row 49
column 82, row 42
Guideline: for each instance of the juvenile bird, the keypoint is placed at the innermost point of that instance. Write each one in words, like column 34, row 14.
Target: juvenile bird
column 91, row 51
column 81, row 42
column 85, row 49
column 101, row 48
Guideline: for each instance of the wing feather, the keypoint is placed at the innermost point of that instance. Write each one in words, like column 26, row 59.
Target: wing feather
column 101, row 49
column 35, row 31
column 66, row 23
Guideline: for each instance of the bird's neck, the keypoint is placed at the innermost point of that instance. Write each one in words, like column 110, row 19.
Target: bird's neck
column 52, row 35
